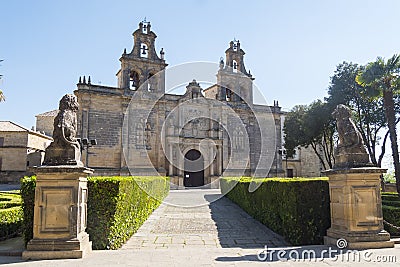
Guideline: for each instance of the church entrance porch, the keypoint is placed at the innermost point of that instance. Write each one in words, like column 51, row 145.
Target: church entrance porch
column 194, row 169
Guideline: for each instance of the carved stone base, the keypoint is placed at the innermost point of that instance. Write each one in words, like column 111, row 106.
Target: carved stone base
column 42, row 249
column 60, row 213
column 366, row 240
column 356, row 210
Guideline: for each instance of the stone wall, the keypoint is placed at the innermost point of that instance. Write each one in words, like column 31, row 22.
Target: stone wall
column 45, row 124
column 307, row 164
column 16, row 148
column 13, row 158
column 38, row 142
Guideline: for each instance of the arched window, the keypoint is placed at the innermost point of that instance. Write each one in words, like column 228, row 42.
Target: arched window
column 152, row 82
column 134, row 80
column 144, row 50
column 145, row 28
column 228, row 95
column 234, row 66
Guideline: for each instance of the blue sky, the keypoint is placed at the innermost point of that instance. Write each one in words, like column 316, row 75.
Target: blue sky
column 292, row 47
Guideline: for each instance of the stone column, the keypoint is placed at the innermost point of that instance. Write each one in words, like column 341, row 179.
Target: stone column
column 212, row 161
column 220, row 160
column 356, row 209
column 60, row 214
column 171, row 166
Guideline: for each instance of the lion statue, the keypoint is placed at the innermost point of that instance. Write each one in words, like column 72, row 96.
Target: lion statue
column 65, row 149
column 350, row 151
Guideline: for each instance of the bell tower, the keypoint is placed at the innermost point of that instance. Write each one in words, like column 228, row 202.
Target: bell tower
column 142, row 62
column 235, row 83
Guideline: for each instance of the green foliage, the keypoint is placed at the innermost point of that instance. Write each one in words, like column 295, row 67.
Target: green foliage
column 382, row 79
column 117, row 207
column 390, row 196
column 28, row 185
column 367, row 109
column 388, row 177
column 391, row 212
column 311, row 125
column 296, row 208
column 11, row 215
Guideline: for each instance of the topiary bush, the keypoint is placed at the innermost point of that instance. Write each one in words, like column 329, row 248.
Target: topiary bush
column 296, row 208
column 11, row 215
column 117, row 207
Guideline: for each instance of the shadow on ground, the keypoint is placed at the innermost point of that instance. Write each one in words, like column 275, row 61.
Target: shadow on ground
column 237, row 229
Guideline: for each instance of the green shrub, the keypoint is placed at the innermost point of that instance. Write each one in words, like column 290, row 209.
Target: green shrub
column 117, row 207
column 28, row 185
column 9, row 200
column 11, row 215
column 391, row 203
column 392, row 215
column 296, row 208
column 391, row 211
column 390, row 196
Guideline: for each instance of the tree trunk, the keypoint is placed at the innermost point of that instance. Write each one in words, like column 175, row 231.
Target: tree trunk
column 391, row 120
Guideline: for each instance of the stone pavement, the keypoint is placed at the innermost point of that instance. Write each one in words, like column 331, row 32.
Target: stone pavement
column 201, row 224
column 196, row 228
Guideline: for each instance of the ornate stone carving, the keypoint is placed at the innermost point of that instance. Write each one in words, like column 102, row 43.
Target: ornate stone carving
column 65, row 149
column 350, row 151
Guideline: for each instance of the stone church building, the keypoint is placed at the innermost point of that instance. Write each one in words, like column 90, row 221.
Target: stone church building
column 194, row 138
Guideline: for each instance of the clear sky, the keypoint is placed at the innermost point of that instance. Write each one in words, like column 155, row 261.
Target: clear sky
column 292, row 47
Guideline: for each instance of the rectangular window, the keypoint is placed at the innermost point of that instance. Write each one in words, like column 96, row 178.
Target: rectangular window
column 1, row 141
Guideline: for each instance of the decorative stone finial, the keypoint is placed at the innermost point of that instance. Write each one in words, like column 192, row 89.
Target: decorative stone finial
column 84, row 79
column 89, row 81
column 65, row 149
column 80, row 81
column 350, row 152
column 162, row 53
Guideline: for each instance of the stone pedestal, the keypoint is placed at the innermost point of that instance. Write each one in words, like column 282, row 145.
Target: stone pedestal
column 356, row 209
column 60, row 214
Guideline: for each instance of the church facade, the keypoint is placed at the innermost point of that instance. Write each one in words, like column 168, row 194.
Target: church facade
column 193, row 138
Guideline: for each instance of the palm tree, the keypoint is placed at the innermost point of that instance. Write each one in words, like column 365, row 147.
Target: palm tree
column 383, row 79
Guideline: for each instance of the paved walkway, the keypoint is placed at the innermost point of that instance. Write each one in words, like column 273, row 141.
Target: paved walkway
column 212, row 232
column 204, row 222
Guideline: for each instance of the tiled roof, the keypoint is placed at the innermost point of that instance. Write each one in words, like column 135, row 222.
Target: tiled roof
column 9, row 126
column 51, row 113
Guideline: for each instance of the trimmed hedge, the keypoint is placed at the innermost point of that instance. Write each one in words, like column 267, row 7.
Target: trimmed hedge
column 11, row 215
column 117, row 207
column 391, row 212
column 28, row 185
column 296, row 208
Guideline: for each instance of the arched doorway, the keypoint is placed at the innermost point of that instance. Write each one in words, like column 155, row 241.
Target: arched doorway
column 194, row 169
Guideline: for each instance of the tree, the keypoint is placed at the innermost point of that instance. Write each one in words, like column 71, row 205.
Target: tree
column 368, row 111
column 311, row 125
column 382, row 78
